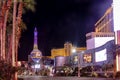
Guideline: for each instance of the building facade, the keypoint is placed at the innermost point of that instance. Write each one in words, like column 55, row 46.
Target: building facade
column 100, row 56
column 105, row 23
column 66, row 51
column 104, row 31
column 97, row 39
column 107, row 28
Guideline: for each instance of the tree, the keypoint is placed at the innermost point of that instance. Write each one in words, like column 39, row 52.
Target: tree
column 7, row 7
column 12, row 24
column 23, row 5
column 6, row 21
column 4, row 15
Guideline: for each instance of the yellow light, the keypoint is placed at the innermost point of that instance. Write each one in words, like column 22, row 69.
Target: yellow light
column 73, row 50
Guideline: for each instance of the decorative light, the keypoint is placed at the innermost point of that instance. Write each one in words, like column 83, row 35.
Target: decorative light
column 37, row 65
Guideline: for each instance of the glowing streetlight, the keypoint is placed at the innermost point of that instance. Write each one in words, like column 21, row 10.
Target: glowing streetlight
column 73, row 50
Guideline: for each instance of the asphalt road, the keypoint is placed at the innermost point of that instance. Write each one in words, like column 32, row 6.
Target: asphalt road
column 62, row 78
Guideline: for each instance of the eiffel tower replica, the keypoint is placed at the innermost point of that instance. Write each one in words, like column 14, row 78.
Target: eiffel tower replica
column 35, row 57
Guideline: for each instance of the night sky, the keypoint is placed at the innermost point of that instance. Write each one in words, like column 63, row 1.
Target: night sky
column 59, row 21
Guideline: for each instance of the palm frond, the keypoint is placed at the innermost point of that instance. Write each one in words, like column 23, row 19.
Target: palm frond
column 29, row 5
column 22, row 26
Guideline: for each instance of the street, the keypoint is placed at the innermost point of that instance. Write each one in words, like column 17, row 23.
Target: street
column 62, row 78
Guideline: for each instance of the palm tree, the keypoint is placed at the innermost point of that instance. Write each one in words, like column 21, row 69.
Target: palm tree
column 29, row 4
column 13, row 31
column 2, row 11
column 18, row 25
column 8, row 4
column 4, row 15
column 26, row 4
column 1, row 23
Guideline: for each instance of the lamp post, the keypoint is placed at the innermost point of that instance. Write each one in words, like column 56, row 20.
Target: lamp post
column 81, row 52
column 78, row 65
column 78, row 59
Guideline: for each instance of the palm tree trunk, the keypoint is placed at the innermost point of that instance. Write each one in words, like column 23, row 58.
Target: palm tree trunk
column 4, row 35
column 1, row 43
column 4, row 27
column 9, row 55
column 1, row 27
column 4, row 15
column 18, row 29
column 13, row 32
column 13, row 36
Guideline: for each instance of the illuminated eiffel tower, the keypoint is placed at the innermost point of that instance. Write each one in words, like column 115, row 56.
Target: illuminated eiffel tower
column 36, row 54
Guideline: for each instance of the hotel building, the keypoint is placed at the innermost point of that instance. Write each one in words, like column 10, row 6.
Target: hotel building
column 66, row 51
column 104, row 31
column 107, row 28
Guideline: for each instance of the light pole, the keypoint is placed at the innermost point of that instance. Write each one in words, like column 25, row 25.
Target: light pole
column 78, row 65
column 78, row 59
column 73, row 52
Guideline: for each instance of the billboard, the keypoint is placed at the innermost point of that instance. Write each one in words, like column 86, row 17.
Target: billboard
column 100, row 56
column 87, row 58
column 116, row 14
column 118, row 37
column 96, row 42
column 60, row 61
column 75, row 59
column 116, row 18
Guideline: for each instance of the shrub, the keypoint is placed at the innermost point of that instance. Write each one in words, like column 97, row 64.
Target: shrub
column 118, row 75
column 6, row 69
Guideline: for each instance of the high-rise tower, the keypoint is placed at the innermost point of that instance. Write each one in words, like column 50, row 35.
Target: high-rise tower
column 36, row 54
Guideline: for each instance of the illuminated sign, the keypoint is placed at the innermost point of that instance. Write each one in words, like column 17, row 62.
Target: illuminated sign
column 87, row 58
column 60, row 60
column 75, row 58
column 100, row 56
column 116, row 14
column 35, row 55
column 118, row 62
column 37, row 65
column 118, row 37
column 116, row 17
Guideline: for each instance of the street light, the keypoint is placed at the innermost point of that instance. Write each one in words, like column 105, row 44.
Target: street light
column 78, row 59
column 79, row 62
column 78, row 65
column 73, row 50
